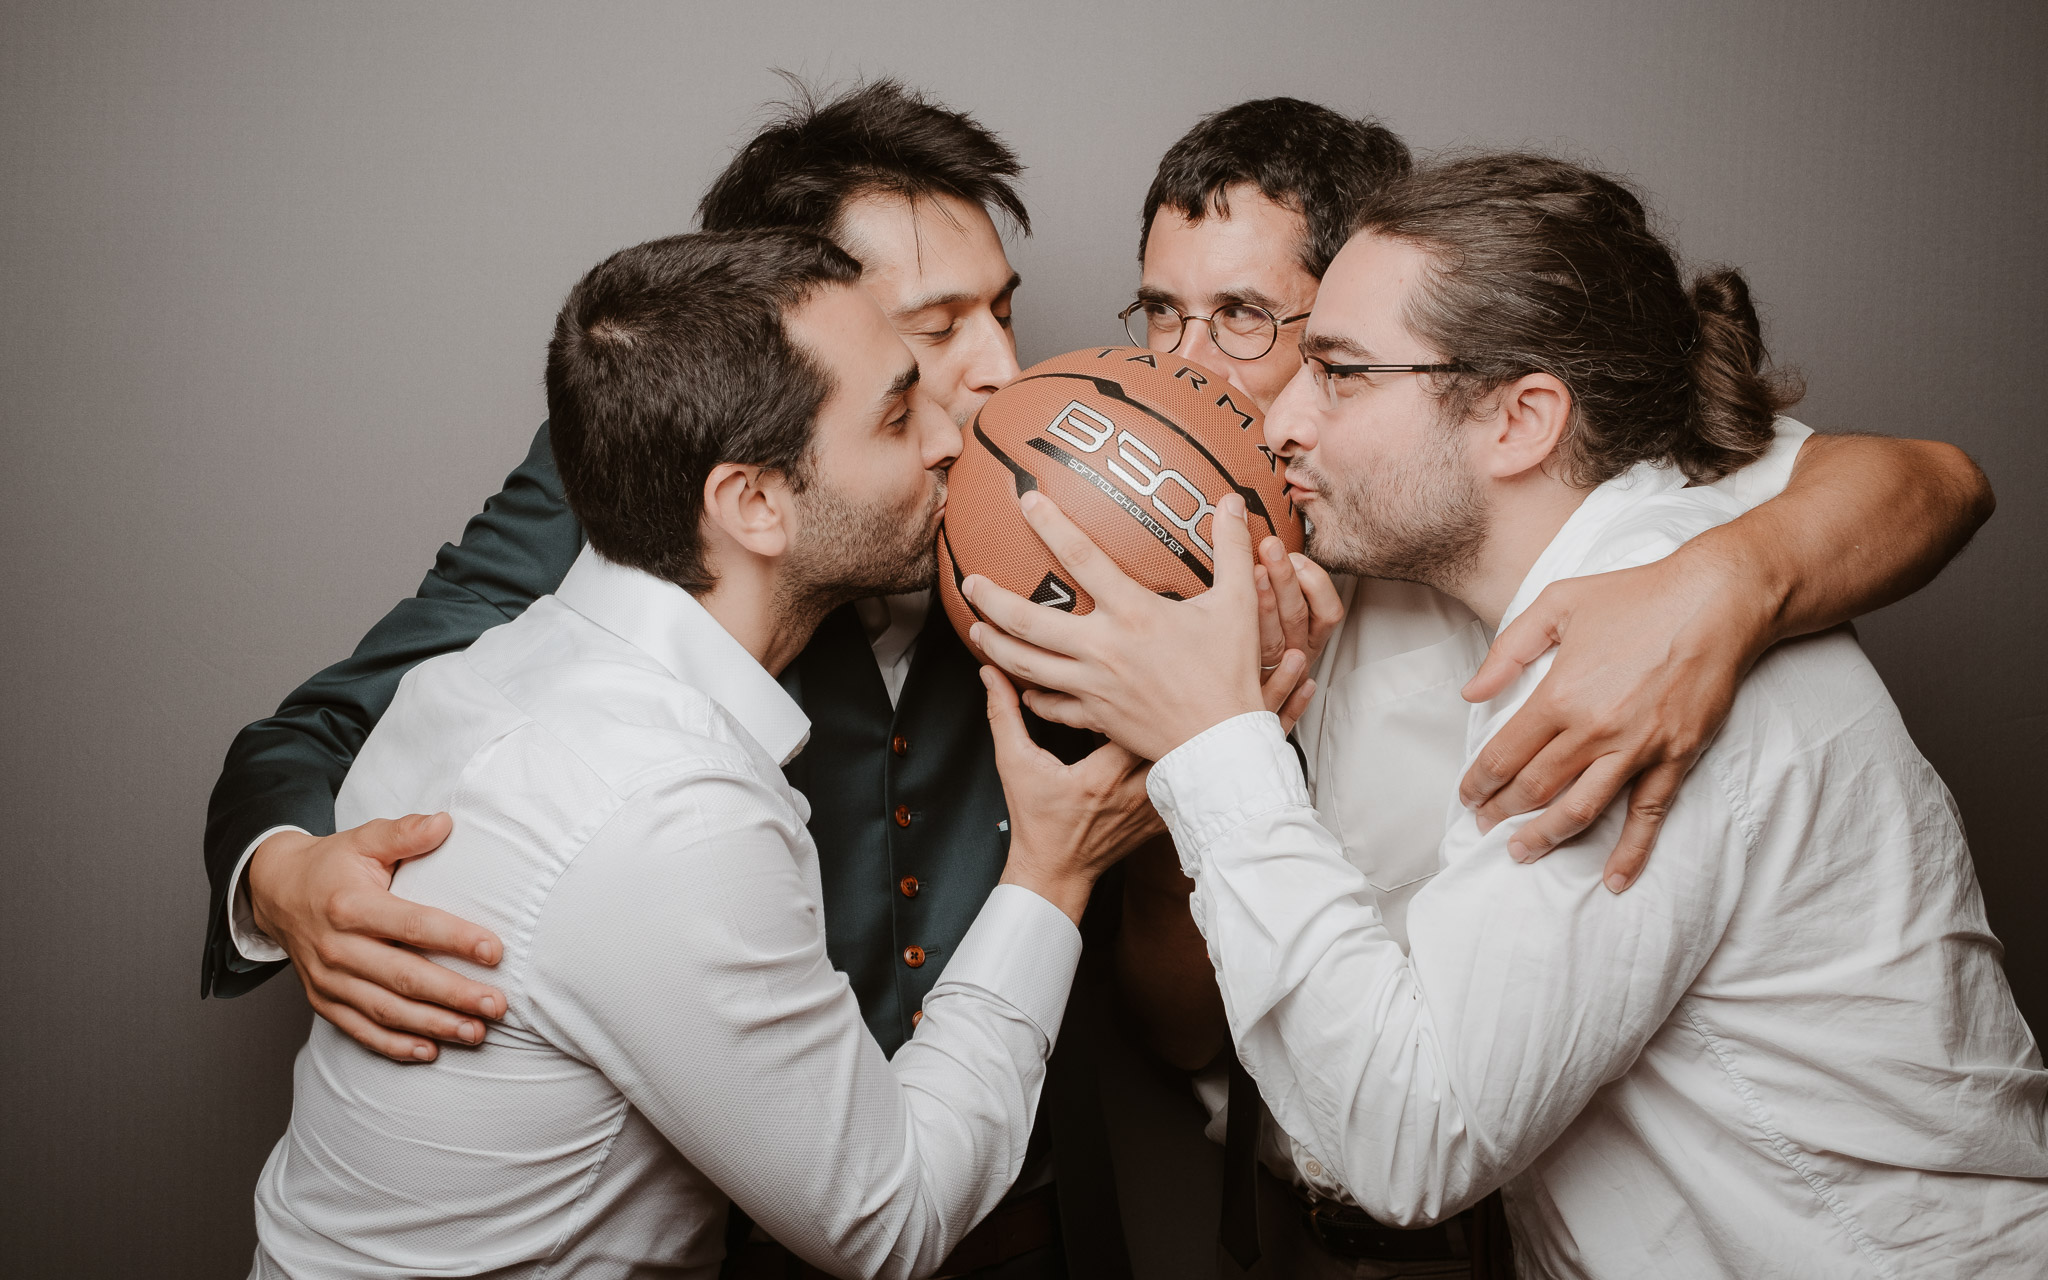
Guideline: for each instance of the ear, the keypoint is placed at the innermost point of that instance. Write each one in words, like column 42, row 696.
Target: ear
column 1532, row 415
column 751, row 507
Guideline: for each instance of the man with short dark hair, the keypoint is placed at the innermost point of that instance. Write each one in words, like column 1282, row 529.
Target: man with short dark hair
column 1788, row 1050
column 1298, row 173
column 737, row 431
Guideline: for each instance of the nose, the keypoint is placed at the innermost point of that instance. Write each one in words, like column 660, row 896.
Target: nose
column 993, row 364
column 938, row 436
column 1197, row 345
column 1200, row 346
column 1290, row 422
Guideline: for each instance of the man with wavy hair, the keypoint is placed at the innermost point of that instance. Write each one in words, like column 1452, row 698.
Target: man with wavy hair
column 1789, row 1049
column 1242, row 220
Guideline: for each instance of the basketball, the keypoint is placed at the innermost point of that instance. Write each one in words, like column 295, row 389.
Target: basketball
column 1136, row 448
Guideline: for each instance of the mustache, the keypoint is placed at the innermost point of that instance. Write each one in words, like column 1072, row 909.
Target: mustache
column 1307, row 477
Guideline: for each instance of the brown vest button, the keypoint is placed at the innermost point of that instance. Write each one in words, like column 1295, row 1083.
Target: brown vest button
column 909, row 886
column 899, row 744
column 902, row 815
column 916, row 1016
column 914, row 957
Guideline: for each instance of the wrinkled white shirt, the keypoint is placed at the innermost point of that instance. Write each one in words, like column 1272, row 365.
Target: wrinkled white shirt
column 892, row 624
column 1388, row 722
column 675, row 1033
column 1788, row 1050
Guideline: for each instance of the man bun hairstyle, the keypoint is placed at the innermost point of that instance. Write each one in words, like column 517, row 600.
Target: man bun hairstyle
column 1733, row 385
column 1540, row 265
column 877, row 138
column 674, row 356
column 1304, row 157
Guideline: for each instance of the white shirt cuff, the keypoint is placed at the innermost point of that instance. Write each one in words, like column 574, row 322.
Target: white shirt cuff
column 1021, row 949
column 1223, row 777
column 251, row 942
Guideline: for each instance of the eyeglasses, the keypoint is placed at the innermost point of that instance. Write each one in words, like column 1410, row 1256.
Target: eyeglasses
column 1240, row 330
column 1325, row 374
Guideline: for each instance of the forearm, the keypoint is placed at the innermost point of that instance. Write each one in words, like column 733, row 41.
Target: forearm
column 285, row 769
column 733, row 1035
column 1863, row 522
column 281, row 771
column 1423, row 1081
column 1163, row 968
column 1322, row 1005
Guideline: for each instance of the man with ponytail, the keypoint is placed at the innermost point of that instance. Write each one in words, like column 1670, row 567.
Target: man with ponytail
column 1789, row 1049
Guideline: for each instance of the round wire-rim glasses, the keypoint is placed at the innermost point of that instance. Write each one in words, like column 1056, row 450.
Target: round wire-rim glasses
column 1240, row 330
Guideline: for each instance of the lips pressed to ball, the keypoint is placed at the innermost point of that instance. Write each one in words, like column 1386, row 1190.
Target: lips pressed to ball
column 1137, row 448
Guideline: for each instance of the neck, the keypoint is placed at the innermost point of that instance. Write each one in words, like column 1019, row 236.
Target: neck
column 1524, row 513
column 749, row 600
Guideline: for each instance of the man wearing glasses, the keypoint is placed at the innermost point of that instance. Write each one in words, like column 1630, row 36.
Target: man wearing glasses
column 907, row 809
column 1789, row 1050
column 1244, row 216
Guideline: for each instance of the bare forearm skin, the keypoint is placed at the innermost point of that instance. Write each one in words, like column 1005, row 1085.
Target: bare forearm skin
column 1864, row 521
column 1162, row 963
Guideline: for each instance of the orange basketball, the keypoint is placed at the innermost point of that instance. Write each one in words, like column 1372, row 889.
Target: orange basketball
column 1136, row 448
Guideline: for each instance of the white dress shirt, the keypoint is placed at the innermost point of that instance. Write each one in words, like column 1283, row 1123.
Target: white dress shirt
column 892, row 624
column 675, row 1032
column 1788, row 1050
column 1388, row 721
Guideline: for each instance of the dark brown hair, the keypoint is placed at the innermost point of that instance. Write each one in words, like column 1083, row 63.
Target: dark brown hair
column 1540, row 265
column 1299, row 155
column 802, row 168
column 670, row 358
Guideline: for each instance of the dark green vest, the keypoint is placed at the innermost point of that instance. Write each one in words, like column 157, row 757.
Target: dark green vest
column 908, row 814
column 906, row 807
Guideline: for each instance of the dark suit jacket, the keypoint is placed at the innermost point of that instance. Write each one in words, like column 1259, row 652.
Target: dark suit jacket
column 906, row 806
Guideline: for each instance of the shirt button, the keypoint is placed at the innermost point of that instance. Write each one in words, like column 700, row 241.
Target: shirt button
column 914, row 957
column 909, row 886
column 916, row 1016
column 900, row 745
column 902, row 815
column 1314, row 1168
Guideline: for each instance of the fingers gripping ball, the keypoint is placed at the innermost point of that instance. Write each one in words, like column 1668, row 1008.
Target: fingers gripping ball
column 1137, row 448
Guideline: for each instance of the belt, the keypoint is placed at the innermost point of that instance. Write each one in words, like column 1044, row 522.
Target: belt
column 1479, row 1234
column 1016, row 1227
column 1349, row 1232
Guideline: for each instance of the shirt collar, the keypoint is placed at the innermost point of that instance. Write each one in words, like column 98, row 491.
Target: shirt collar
column 893, row 623
column 1578, row 533
column 667, row 624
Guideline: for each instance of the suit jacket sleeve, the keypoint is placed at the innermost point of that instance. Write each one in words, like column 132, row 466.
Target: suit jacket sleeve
column 284, row 770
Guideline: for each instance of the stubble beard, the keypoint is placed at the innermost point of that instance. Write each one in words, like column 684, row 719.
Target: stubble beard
column 1420, row 521
column 852, row 550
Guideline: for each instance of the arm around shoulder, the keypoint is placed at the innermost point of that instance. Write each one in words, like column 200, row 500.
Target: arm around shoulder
column 1863, row 521
column 284, row 770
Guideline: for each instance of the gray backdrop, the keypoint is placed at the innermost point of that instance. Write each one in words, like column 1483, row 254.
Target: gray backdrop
column 277, row 279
